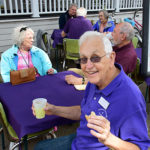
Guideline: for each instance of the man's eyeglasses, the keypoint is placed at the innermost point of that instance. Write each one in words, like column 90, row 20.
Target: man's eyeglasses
column 23, row 29
column 93, row 59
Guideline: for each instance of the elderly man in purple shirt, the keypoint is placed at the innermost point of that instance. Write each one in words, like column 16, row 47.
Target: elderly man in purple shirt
column 112, row 113
column 75, row 27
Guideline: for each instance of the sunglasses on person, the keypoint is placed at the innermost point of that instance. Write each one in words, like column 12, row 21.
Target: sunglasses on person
column 23, row 29
column 93, row 59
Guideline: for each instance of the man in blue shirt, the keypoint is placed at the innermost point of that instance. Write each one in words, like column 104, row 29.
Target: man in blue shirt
column 112, row 114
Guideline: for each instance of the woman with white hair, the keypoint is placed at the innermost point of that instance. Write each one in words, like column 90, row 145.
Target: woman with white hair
column 24, row 55
column 103, row 24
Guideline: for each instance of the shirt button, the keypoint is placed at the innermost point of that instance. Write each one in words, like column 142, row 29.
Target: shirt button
column 94, row 98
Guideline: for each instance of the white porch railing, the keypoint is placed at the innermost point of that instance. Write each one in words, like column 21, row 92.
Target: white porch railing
column 35, row 8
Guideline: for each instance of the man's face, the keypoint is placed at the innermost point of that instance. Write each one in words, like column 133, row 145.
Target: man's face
column 72, row 11
column 97, row 73
column 102, row 17
column 117, row 36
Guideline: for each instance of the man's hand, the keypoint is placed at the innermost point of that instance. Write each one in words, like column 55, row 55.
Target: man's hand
column 48, row 109
column 71, row 79
column 100, row 128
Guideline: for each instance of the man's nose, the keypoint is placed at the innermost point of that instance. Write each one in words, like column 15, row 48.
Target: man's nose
column 89, row 64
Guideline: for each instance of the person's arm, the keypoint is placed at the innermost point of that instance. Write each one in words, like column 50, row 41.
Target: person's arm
column 72, row 112
column 46, row 63
column 63, row 34
column 100, row 128
column 5, row 68
column 71, row 79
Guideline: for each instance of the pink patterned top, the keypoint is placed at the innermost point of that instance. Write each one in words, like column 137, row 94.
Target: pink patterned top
column 25, row 61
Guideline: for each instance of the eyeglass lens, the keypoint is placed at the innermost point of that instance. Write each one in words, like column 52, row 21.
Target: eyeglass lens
column 93, row 59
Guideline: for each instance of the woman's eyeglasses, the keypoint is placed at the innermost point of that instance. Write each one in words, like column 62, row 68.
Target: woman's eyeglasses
column 93, row 59
column 23, row 29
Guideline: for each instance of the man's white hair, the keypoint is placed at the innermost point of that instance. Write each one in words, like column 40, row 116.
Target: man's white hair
column 92, row 34
column 81, row 12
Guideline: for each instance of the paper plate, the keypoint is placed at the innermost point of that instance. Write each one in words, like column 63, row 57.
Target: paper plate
column 80, row 87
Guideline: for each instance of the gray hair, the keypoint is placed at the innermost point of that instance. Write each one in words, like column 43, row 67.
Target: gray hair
column 91, row 34
column 73, row 4
column 19, row 34
column 81, row 12
column 128, row 30
column 106, row 15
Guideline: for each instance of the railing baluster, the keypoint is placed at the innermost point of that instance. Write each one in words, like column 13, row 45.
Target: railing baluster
column 50, row 6
column 36, row 7
column 10, row 7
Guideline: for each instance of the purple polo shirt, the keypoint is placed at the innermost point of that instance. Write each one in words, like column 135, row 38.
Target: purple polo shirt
column 126, row 113
column 126, row 56
column 75, row 27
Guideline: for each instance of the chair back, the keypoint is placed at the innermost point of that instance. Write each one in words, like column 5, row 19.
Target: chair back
column 135, row 75
column 43, row 41
column 135, row 41
column 7, row 128
column 71, row 48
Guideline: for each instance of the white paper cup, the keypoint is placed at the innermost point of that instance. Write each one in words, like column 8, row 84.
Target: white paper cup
column 39, row 105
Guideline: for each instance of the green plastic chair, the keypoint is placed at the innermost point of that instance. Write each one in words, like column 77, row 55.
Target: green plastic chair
column 135, row 75
column 71, row 48
column 135, row 42
column 11, row 135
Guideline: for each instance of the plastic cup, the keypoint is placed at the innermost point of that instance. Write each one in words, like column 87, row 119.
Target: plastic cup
column 39, row 105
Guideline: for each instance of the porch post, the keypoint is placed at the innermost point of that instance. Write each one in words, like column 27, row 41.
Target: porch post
column 35, row 8
column 116, row 5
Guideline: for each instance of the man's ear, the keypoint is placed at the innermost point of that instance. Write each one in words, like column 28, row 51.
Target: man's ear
column 123, row 37
column 112, row 57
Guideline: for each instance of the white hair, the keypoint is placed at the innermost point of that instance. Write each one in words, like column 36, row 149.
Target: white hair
column 81, row 12
column 91, row 34
column 19, row 34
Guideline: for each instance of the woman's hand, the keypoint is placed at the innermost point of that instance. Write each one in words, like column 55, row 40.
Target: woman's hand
column 100, row 128
column 50, row 71
column 71, row 79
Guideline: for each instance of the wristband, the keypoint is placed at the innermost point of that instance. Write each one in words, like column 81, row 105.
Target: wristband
column 83, row 80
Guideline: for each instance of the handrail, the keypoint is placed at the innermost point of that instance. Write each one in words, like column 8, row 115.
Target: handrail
column 41, row 7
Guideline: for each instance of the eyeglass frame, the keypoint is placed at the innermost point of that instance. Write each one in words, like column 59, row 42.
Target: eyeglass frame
column 92, row 60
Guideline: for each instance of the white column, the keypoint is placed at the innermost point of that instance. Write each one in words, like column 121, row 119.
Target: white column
column 35, row 8
column 116, row 5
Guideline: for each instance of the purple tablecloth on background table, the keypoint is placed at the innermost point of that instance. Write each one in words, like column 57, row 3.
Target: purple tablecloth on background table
column 139, row 55
column 56, row 36
column 17, row 102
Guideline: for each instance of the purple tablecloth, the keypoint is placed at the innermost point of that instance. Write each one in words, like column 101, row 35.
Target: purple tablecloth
column 17, row 102
column 56, row 36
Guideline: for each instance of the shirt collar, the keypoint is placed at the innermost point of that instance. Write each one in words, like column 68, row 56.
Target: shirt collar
column 115, row 48
column 115, row 82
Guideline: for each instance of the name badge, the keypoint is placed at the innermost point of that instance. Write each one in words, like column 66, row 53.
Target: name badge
column 104, row 103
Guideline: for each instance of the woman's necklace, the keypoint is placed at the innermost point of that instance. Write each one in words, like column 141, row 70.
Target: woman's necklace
column 27, row 63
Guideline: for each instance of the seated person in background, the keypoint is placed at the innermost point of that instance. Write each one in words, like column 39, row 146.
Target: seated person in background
column 113, row 108
column 24, row 55
column 125, row 52
column 123, row 47
column 71, row 13
column 75, row 27
column 103, row 25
